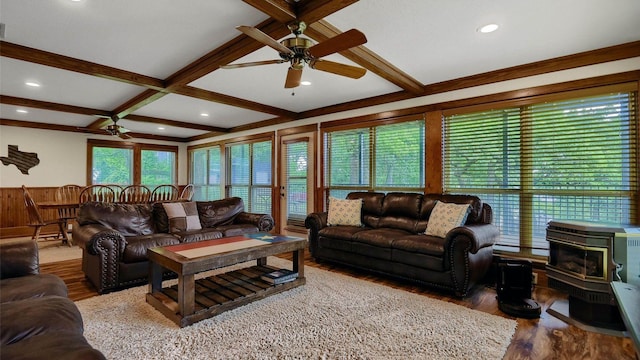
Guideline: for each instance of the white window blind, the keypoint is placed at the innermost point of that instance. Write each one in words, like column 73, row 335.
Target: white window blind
column 573, row 158
column 206, row 173
column 249, row 175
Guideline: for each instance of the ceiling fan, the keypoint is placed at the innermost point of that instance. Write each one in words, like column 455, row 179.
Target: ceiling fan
column 300, row 51
column 117, row 130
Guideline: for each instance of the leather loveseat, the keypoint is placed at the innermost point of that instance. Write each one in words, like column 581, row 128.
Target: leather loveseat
column 37, row 319
column 392, row 240
column 115, row 237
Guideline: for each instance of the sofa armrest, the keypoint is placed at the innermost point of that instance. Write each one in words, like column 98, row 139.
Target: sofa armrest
column 315, row 222
column 97, row 239
column 18, row 258
column 264, row 222
column 478, row 235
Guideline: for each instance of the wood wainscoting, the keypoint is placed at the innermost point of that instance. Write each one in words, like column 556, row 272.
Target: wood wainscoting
column 14, row 220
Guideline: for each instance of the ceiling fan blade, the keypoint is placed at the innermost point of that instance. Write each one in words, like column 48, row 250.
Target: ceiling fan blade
column 265, row 39
column 338, row 43
column 124, row 136
column 353, row 72
column 293, row 78
column 255, row 63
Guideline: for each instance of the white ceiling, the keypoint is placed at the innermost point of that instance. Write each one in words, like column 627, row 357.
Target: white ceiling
column 430, row 40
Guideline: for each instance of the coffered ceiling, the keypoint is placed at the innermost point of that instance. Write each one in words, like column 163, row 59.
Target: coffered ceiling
column 156, row 63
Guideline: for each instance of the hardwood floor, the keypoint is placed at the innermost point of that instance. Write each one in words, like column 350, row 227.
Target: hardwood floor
column 544, row 338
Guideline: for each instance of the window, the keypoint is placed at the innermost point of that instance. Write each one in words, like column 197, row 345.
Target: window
column 206, row 173
column 566, row 157
column 158, row 168
column 296, row 180
column 125, row 163
column 249, row 174
column 386, row 157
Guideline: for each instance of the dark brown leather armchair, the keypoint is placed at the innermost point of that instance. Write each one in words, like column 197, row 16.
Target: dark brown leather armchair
column 37, row 320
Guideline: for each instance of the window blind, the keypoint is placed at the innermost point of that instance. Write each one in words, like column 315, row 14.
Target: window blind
column 385, row 157
column 573, row 158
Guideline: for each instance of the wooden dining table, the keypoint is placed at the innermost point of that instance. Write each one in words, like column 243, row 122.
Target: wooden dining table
column 60, row 206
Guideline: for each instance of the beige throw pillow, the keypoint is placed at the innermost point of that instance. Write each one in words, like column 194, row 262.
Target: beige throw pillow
column 344, row 212
column 446, row 216
column 182, row 216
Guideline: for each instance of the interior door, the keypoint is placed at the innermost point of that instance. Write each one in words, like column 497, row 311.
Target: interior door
column 297, row 174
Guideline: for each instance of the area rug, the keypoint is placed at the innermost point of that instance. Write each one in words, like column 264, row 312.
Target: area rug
column 333, row 316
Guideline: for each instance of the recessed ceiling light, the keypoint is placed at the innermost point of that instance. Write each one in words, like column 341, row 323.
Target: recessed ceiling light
column 160, row 128
column 22, row 111
column 488, row 28
column 306, row 83
column 32, row 84
column 204, row 114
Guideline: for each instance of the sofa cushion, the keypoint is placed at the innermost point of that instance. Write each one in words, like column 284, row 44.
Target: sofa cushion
column 182, row 216
column 198, row 235
column 237, row 229
column 371, row 206
column 382, row 237
column 69, row 346
column 31, row 286
column 344, row 212
column 32, row 317
column 219, row 212
column 340, row 232
column 446, row 216
column 136, row 248
column 423, row 244
column 128, row 219
column 429, row 201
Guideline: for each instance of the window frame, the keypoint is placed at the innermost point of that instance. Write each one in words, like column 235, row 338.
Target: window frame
column 370, row 126
column 137, row 149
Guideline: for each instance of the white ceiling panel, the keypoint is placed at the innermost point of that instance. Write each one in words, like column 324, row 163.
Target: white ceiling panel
column 182, row 108
column 61, row 86
column 44, row 116
column 149, row 37
column 435, row 40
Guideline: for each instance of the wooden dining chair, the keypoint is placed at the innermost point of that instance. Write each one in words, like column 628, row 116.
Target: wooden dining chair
column 38, row 222
column 135, row 194
column 165, row 193
column 117, row 190
column 100, row 193
column 187, row 193
column 68, row 194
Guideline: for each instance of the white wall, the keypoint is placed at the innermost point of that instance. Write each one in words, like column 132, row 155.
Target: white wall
column 63, row 157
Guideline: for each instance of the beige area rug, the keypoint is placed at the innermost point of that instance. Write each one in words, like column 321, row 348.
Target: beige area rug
column 333, row 316
column 54, row 251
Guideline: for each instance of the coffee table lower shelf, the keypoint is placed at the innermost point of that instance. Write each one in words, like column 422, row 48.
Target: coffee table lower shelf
column 219, row 293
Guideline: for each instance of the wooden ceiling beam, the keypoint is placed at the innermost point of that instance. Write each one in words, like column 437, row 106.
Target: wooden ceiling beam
column 232, row 101
column 58, row 61
column 68, row 128
column 322, row 30
column 231, row 51
column 180, row 124
column 45, row 105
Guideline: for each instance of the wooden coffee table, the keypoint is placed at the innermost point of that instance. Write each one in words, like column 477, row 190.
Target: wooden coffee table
column 193, row 300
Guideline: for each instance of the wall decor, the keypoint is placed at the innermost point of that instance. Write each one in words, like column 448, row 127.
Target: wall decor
column 21, row 159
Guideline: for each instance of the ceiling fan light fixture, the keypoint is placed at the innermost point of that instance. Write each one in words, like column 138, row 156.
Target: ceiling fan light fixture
column 489, row 28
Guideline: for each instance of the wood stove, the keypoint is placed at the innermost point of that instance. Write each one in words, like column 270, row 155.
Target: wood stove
column 581, row 263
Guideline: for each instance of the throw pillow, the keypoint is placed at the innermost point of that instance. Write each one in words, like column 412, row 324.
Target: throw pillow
column 446, row 216
column 182, row 216
column 344, row 212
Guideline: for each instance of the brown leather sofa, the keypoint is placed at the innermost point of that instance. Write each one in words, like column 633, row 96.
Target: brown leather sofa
column 115, row 237
column 392, row 240
column 37, row 319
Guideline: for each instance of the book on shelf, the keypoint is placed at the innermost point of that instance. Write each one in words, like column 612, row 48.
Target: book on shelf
column 279, row 276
